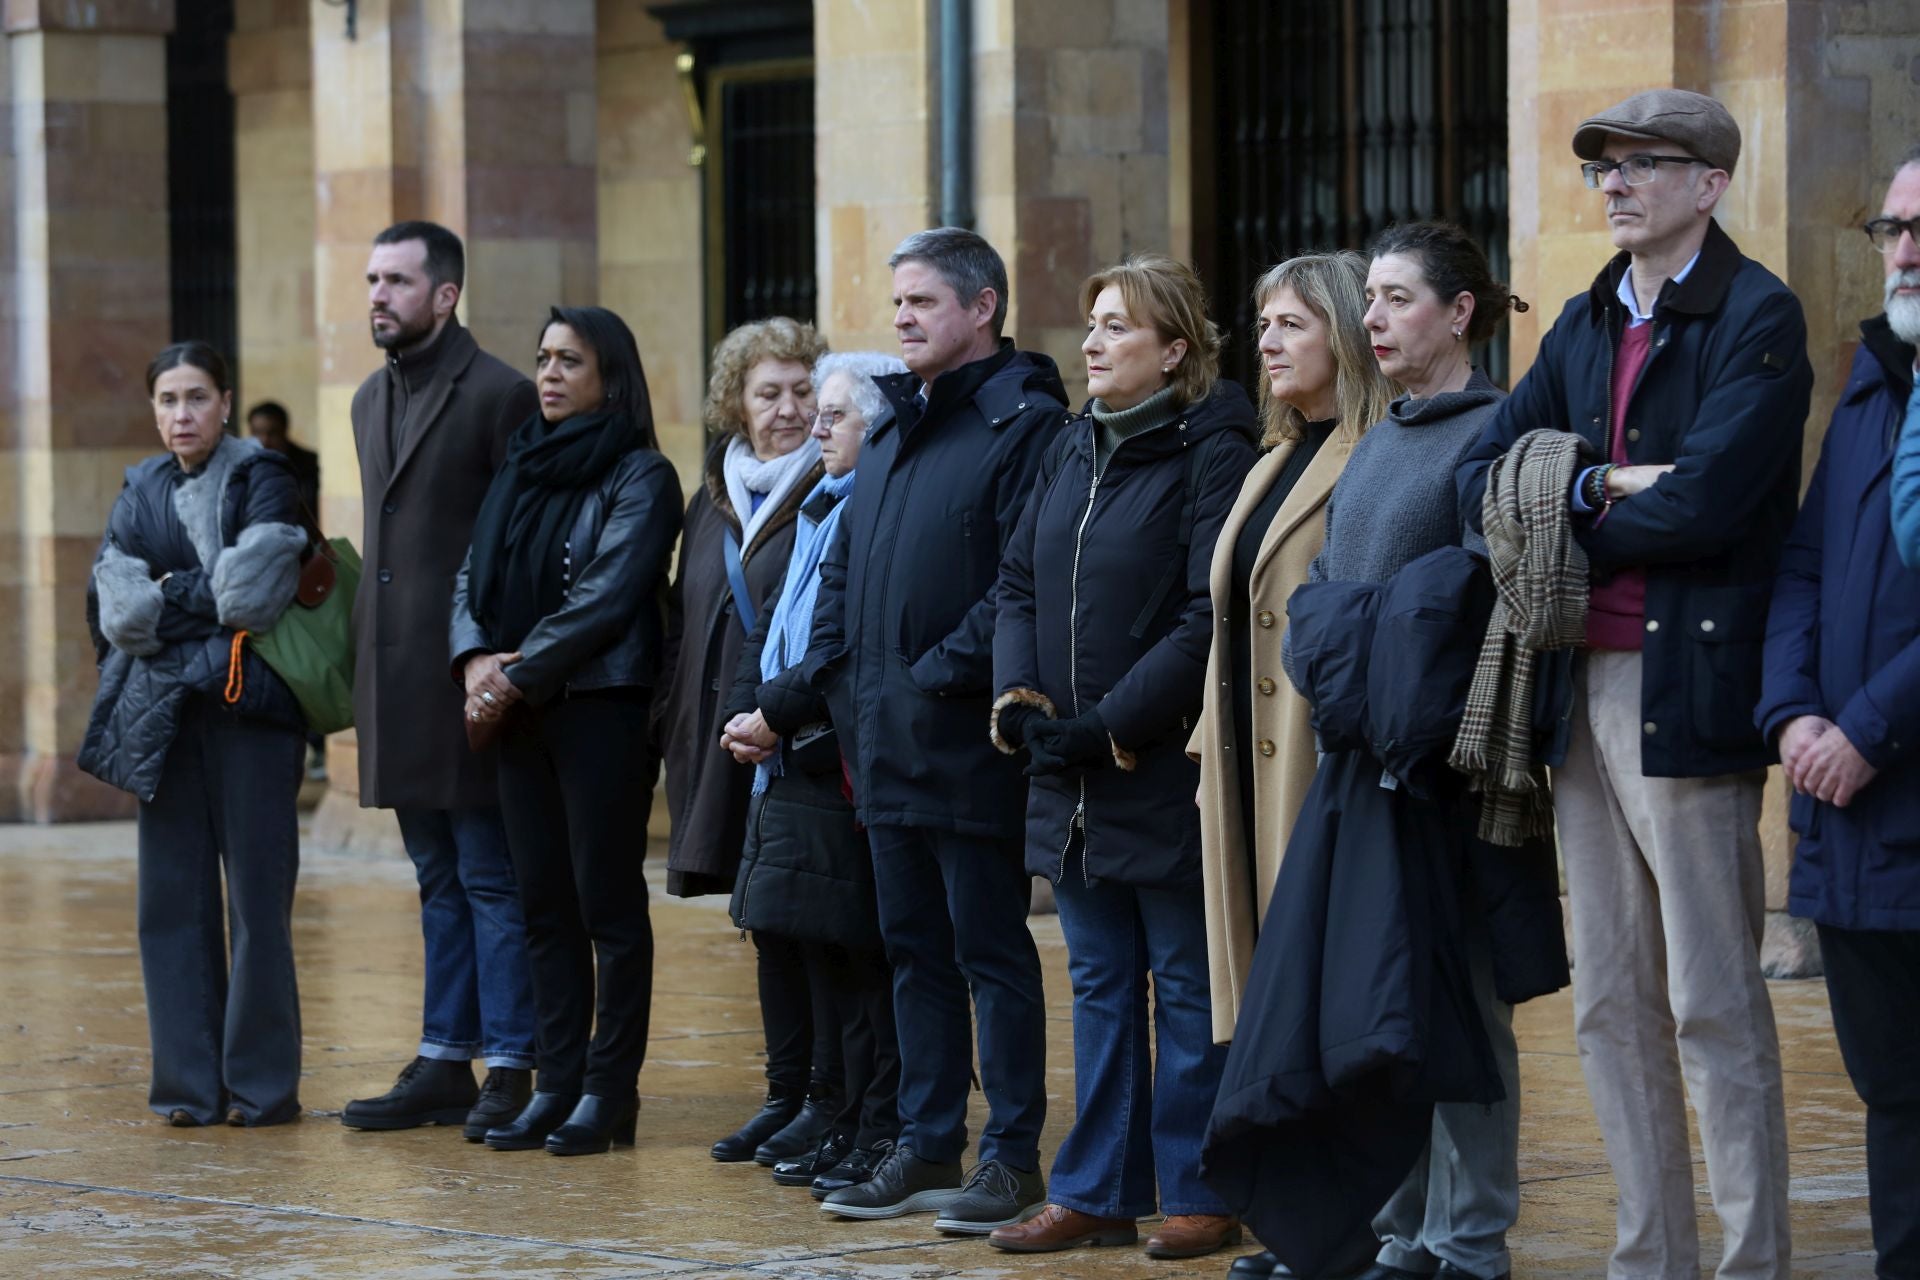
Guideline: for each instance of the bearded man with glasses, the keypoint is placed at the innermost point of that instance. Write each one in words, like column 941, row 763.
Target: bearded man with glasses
column 1684, row 369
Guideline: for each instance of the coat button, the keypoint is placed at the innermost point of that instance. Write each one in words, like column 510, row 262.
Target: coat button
column 387, row 507
column 1653, row 624
column 1265, row 618
column 1633, row 433
column 1596, row 419
column 386, row 575
column 1266, row 747
column 1649, row 728
column 1267, row 686
column 1706, row 624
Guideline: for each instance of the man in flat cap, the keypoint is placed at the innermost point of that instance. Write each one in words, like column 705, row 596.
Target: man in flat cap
column 1684, row 369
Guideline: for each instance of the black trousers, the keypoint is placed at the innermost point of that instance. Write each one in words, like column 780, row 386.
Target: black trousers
column 576, row 784
column 856, row 998
column 803, row 1040
column 1873, row 983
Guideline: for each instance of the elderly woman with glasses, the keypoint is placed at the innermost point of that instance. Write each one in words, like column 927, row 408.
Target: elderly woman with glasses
column 806, row 874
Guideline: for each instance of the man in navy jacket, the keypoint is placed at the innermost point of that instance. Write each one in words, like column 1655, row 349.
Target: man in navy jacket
column 1685, row 369
column 903, row 648
column 1842, row 698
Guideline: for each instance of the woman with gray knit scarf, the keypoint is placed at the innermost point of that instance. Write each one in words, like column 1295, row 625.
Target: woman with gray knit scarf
column 1430, row 299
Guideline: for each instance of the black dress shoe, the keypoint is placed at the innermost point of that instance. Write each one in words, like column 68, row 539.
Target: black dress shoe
column 428, row 1091
column 804, row 1131
column 1381, row 1271
column 596, row 1124
column 502, row 1097
column 543, row 1113
column 782, row 1105
column 1255, row 1266
column 1448, row 1271
column 830, row 1151
column 855, row 1168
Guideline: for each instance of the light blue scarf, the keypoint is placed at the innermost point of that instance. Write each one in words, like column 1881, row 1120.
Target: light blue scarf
column 791, row 628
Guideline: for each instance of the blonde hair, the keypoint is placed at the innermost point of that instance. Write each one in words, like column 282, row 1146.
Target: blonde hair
column 1334, row 287
column 775, row 338
column 1167, row 297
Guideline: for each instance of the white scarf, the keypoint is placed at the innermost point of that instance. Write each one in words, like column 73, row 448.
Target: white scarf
column 747, row 475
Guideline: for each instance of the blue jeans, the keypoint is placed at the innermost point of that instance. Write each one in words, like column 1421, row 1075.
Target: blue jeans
column 953, row 915
column 479, row 992
column 1135, row 1125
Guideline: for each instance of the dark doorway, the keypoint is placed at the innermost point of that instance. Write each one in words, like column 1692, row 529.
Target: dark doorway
column 200, row 177
column 1330, row 119
column 747, row 71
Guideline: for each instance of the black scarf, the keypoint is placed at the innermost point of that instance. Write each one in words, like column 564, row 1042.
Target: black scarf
column 519, row 538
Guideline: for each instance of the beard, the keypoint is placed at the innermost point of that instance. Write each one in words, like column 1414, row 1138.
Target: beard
column 1903, row 311
column 404, row 333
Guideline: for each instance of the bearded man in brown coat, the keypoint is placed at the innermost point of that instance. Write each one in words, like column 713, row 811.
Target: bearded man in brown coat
column 431, row 428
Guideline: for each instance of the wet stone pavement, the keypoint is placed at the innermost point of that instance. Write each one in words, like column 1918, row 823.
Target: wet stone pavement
column 92, row 1184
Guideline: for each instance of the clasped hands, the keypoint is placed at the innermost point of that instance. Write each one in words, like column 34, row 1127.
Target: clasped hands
column 489, row 692
column 1820, row 761
column 748, row 739
column 1624, row 482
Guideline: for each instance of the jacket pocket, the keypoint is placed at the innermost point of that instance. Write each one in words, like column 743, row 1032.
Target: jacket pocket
column 1723, row 630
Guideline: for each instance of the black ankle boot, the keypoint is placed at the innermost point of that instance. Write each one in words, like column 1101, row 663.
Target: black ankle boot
column 782, row 1105
column 429, row 1091
column 804, row 1131
column 544, row 1113
column 504, row 1096
column 596, row 1124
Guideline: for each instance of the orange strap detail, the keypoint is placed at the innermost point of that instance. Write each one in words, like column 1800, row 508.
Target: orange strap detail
column 236, row 683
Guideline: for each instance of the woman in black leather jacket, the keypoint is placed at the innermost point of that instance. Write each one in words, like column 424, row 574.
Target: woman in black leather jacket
column 557, row 635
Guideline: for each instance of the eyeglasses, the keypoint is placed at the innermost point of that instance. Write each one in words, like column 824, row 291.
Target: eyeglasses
column 827, row 418
column 1885, row 233
column 1638, row 171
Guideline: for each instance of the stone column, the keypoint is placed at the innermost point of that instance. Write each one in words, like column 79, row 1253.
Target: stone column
column 270, row 69
column 1824, row 95
column 85, row 208
column 480, row 117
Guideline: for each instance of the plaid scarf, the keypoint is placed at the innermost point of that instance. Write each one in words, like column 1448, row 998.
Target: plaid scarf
column 1540, row 575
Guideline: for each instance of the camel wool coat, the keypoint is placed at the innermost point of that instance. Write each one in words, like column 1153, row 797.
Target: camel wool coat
column 1237, row 884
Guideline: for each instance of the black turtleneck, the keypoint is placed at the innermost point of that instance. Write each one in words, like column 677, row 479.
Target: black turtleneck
column 410, row 373
column 1246, row 552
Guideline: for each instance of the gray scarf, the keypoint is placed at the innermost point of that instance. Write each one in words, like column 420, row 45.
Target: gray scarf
column 747, row 475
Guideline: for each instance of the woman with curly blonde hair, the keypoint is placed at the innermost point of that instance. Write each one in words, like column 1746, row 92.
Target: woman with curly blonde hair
column 738, row 537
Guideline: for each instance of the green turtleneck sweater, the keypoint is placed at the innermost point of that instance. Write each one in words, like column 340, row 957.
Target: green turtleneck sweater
column 1112, row 426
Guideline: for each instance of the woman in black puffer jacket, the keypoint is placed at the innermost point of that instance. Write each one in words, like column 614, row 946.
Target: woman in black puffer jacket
column 204, row 543
column 557, row 626
column 1100, row 653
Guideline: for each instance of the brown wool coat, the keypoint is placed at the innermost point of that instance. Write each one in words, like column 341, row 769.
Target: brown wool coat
column 1237, row 885
column 419, row 512
column 707, row 792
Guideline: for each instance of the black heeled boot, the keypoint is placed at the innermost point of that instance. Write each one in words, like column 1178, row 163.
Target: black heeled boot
column 804, row 1131
column 596, row 1124
column 782, row 1105
column 543, row 1113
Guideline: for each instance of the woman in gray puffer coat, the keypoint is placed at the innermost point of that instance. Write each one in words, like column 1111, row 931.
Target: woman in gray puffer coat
column 203, row 543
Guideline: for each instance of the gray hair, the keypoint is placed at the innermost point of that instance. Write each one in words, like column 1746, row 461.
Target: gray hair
column 861, row 368
column 964, row 260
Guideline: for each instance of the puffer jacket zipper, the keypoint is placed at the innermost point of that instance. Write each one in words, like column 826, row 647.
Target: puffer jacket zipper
column 1079, row 820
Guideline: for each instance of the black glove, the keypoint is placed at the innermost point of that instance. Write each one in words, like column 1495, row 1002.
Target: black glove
column 1016, row 718
column 1068, row 746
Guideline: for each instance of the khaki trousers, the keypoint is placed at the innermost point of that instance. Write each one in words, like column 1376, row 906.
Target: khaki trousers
column 1665, row 881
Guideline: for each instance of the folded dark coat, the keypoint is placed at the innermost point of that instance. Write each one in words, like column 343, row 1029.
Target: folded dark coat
column 1361, row 1013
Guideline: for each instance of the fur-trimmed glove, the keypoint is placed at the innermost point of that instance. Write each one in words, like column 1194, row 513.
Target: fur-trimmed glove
column 1015, row 719
column 1068, row 746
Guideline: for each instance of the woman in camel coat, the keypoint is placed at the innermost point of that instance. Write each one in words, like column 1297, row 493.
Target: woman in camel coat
column 1254, row 742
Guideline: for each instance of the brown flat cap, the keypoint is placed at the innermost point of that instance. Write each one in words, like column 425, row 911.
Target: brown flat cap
column 1697, row 123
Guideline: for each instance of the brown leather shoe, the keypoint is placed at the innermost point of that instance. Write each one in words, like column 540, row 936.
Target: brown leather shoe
column 1057, row 1227
column 1191, row 1235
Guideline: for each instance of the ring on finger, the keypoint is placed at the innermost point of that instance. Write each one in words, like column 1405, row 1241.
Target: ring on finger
column 487, row 698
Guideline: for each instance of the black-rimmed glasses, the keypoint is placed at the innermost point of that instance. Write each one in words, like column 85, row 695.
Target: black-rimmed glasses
column 1885, row 233
column 1638, row 170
